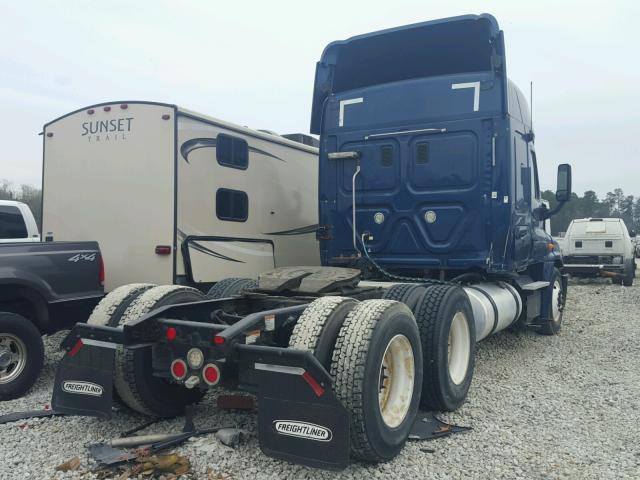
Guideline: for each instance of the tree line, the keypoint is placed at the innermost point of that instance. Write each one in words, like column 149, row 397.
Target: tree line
column 615, row 204
column 28, row 194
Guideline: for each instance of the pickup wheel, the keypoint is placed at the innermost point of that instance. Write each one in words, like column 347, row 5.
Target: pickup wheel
column 318, row 327
column 133, row 378
column 377, row 371
column 558, row 298
column 230, row 287
column 111, row 308
column 447, row 331
column 21, row 355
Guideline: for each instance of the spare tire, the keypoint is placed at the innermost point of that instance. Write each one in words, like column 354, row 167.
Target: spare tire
column 133, row 378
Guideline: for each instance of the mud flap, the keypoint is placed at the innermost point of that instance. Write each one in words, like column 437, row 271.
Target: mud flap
column 84, row 380
column 300, row 420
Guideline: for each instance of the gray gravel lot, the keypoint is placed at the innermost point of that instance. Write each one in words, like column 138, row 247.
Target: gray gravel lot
column 540, row 407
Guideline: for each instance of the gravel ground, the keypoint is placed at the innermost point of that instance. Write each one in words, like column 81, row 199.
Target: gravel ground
column 540, row 407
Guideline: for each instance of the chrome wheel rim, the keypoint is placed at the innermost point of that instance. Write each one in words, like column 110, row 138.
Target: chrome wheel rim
column 459, row 348
column 13, row 357
column 396, row 379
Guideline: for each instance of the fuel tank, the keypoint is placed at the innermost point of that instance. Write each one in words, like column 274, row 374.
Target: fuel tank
column 495, row 306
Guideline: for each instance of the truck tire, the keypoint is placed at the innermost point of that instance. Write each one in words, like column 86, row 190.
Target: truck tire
column 21, row 355
column 230, row 287
column 407, row 293
column 629, row 274
column 318, row 327
column 377, row 371
column 447, row 332
column 552, row 327
column 133, row 381
column 111, row 308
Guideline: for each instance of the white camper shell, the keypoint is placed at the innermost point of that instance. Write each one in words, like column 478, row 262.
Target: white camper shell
column 596, row 245
column 173, row 196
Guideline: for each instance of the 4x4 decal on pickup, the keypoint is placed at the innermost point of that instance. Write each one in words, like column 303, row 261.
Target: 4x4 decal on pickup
column 88, row 257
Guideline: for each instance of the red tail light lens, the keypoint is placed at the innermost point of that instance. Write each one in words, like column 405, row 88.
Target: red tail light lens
column 171, row 334
column 76, row 348
column 218, row 340
column 178, row 369
column 211, row 374
column 101, row 272
column 313, row 383
column 163, row 250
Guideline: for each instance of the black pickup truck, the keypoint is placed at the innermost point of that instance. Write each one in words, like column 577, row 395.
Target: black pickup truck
column 44, row 288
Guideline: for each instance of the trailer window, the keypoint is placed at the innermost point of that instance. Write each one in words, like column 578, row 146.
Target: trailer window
column 232, row 151
column 232, row 205
column 11, row 223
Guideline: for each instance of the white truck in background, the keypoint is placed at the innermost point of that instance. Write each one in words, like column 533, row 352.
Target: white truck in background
column 600, row 247
column 176, row 197
column 17, row 223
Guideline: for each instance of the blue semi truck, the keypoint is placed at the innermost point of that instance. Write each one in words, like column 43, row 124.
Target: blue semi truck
column 432, row 238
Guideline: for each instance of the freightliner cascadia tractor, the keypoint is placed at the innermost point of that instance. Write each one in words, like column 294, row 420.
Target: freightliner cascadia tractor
column 431, row 237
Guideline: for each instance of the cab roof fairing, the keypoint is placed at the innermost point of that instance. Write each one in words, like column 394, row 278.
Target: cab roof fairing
column 471, row 54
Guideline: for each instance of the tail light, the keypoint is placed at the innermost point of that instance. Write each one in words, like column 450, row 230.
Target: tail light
column 313, row 383
column 218, row 340
column 172, row 333
column 211, row 374
column 178, row 369
column 101, row 272
column 163, row 250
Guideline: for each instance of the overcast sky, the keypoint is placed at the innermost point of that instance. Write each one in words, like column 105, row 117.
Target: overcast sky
column 252, row 63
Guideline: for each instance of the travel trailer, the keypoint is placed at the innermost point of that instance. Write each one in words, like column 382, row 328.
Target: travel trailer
column 173, row 196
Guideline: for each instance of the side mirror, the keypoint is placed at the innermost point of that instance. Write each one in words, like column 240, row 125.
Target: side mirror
column 563, row 189
column 632, row 234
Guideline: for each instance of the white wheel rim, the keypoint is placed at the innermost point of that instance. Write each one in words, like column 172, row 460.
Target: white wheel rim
column 396, row 377
column 555, row 301
column 459, row 348
column 13, row 357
